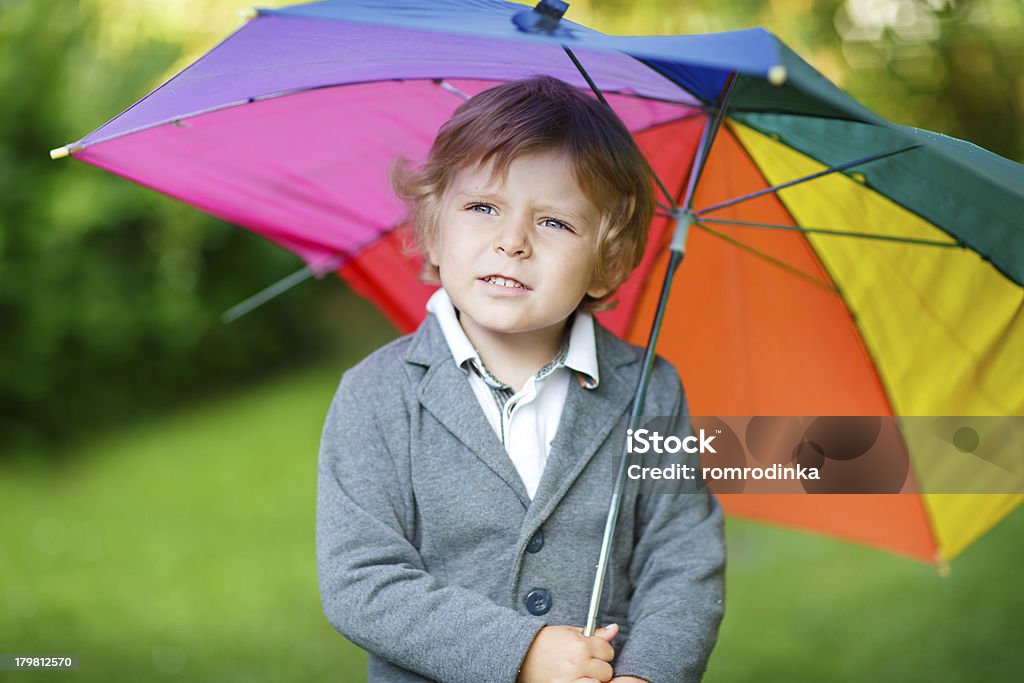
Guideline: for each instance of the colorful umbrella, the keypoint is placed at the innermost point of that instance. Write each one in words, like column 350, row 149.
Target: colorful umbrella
column 838, row 264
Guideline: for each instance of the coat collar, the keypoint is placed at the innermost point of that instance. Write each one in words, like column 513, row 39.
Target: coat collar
column 444, row 392
column 587, row 420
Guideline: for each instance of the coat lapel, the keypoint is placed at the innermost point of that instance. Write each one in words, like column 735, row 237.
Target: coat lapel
column 587, row 420
column 445, row 394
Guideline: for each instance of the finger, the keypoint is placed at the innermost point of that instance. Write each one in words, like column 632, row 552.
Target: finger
column 601, row 649
column 602, row 671
column 607, row 632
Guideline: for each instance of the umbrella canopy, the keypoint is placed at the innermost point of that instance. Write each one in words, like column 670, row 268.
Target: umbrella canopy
column 889, row 284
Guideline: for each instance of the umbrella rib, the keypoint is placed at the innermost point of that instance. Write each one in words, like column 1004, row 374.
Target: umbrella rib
column 586, row 76
column 73, row 148
column 707, row 140
column 448, row 87
column 600, row 96
column 804, row 179
column 766, row 257
column 838, row 233
column 277, row 289
column 298, row 277
column 266, row 294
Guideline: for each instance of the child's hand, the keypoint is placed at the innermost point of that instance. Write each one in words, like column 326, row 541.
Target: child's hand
column 562, row 654
column 628, row 679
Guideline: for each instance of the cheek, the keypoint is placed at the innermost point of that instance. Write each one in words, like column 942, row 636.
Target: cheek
column 586, row 265
column 577, row 278
column 451, row 251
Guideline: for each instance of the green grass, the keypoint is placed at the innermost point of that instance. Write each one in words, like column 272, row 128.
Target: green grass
column 808, row 608
column 181, row 549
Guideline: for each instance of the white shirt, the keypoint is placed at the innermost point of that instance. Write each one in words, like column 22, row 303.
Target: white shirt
column 525, row 421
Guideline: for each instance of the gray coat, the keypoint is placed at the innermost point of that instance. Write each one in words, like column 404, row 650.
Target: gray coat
column 424, row 528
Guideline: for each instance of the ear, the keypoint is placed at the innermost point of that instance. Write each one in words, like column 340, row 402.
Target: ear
column 598, row 289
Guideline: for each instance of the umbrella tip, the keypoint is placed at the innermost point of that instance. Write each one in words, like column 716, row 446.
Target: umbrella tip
column 543, row 18
column 248, row 13
column 777, row 75
column 60, row 152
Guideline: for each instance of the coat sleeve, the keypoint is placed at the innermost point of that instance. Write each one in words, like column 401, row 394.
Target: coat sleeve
column 373, row 585
column 677, row 573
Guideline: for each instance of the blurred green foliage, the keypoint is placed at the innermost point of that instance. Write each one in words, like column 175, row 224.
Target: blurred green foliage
column 953, row 66
column 110, row 294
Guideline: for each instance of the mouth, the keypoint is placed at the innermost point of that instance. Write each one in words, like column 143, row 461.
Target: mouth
column 502, row 281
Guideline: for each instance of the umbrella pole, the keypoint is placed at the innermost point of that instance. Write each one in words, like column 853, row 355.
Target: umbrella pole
column 684, row 218
column 675, row 258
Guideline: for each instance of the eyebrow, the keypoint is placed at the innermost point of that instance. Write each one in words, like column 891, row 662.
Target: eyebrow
column 469, row 194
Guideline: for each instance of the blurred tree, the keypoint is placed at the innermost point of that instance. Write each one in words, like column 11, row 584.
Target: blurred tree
column 110, row 295
column 953, row 66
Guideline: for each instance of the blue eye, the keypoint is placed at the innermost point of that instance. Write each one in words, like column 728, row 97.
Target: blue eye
column 481, row 208
column 552, row 223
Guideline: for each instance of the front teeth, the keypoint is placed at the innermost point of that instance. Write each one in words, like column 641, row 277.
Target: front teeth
column 505, row 283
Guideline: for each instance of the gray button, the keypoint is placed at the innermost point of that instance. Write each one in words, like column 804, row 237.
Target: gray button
column 537, row 601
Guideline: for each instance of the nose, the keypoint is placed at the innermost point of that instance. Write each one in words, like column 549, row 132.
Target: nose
column 513, row 238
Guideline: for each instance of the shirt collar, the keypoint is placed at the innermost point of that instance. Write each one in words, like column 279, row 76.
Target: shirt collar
column 580, row 355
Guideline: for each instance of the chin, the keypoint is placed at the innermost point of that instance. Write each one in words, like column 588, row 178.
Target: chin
column 498, row 326
column 496, row 323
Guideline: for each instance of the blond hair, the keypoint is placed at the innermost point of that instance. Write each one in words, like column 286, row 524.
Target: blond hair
column 532, row 116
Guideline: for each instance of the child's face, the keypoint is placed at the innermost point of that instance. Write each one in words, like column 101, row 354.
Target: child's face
column 519, row 255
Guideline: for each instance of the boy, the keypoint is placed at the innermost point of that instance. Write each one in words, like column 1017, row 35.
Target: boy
column 465, row 470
